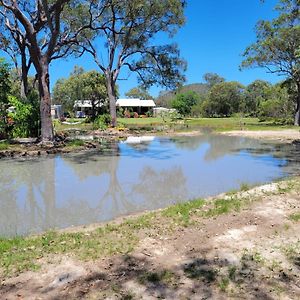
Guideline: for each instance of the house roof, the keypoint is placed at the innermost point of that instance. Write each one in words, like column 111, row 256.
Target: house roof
column 135, row 102
column 86, row 103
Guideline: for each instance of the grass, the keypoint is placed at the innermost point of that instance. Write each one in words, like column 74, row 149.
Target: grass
column 20, row 254
column 224, row 206
column 58, row 126
column 143, row 121
column 181, row 213
column 75, row 143
column 4, row 146
column 224, row 283
column 295, row 217
column 244, row 187
column 216, row 124
column 27, row 253
column 292, row 251
column 233, row 123
column 164, row 277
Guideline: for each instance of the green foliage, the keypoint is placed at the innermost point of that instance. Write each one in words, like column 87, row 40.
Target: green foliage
column 4, row 146
column 197, row 110
column 255, row 94
column 129, row 41
column 76, row 143
column 277, row 104
column 212, row 79
column 81, row 86
column 165, row 98
column 102, row 122
column 25, row 118
column 139, row 92
column 224, row 99
column 16, row 84
column 277, row 46
column 184, row 102
column 5, row 85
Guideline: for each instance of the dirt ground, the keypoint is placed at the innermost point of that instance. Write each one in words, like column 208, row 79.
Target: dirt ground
column 251, row 254
column 281, row 135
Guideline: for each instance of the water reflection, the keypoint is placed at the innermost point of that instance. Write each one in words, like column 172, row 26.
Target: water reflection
column 154, row 186
column 27, row 195
column 84, row 188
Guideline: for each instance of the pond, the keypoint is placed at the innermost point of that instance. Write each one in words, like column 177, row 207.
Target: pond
column 132, row 176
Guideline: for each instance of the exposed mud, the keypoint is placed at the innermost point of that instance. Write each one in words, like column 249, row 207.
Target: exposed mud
column 284, row 135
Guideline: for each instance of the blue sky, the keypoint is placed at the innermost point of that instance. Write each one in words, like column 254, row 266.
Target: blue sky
column 215, row 35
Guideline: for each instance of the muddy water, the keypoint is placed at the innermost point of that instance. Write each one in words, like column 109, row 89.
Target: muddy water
column 132, row 176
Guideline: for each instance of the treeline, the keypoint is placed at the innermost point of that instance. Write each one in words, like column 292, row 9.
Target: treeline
column 220, row 98
column 116, row 35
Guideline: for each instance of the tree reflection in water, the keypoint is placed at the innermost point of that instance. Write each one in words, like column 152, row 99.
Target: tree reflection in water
column 160, row 188
column 27, row 196
column 82, row 188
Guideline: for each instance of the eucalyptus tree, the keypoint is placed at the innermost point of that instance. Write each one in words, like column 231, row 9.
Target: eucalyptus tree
column 81, row 85
column 125, row 36
column 277, row 47
column 212, row 79
column 5, row 86
column 139, row 92
column 13, row 43
column 255, row 94
column 47, row 37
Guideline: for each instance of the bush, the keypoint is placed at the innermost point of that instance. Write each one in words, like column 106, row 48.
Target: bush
column 197, row 110
column 24, row 120
column 102, row 122
column 278, row 106
column 149, row 113
column 184, row 102
column 120, row 112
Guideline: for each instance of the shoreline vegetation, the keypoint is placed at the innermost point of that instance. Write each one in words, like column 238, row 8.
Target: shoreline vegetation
column 83, row 138
column 242, row 243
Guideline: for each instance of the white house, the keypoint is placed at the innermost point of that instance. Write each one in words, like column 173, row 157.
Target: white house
column 84, row 108
column 136, row 105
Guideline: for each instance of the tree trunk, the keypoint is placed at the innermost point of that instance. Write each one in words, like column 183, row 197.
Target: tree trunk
column 24, row 77
column 297, row 114
column 45, row 105
column 111, row 91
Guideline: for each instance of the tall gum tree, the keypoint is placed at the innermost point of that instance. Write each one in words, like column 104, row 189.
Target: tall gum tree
column 127, row 31
column 48, row 37
column 277, row 47
column 13, row 43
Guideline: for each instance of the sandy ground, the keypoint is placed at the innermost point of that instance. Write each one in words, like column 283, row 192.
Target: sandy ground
column 286, row 135
column 252, row 254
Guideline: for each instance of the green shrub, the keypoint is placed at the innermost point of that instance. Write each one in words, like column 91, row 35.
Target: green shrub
column 25, row 118
column 102, row 122
column 183, row 103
